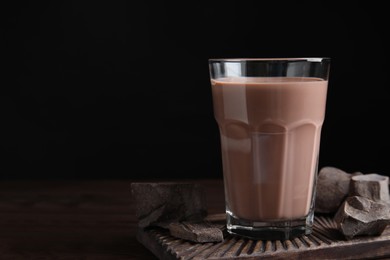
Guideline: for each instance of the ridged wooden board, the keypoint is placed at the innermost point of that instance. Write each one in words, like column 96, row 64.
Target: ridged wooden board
column 326, row 242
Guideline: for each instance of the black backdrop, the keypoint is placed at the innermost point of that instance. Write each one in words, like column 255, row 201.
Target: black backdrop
column 120, row 89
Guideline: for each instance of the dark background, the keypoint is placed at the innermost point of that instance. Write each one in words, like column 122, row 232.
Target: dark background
column 120, row 89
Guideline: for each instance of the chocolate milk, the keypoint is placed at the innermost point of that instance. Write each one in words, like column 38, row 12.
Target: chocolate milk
column 270, row 131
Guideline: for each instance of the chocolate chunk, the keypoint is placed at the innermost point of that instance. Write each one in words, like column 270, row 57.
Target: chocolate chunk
column 361, row 216
column 201, row 232
column 332, row 189
column 371, row 186
column 159, row 204
column 216, row 218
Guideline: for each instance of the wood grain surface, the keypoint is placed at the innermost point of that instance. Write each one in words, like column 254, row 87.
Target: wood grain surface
column 68, row 220
column 96, row 220
column 326, row 242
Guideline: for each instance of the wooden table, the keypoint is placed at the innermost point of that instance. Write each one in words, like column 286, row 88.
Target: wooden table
column 89, row 219
column 94, row 219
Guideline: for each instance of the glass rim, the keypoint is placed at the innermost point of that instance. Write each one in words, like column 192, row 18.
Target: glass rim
column 308, row 59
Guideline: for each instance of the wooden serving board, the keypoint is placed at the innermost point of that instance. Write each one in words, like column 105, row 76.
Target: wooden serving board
column 326, row 242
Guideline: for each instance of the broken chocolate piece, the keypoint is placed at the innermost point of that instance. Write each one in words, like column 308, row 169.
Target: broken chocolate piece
column 332, row 188
column 361, row 216
column 159, row 204
column 215, row 218
column 201, row 232
column 371, row 186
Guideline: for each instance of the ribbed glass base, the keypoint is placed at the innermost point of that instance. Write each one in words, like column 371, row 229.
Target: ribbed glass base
column 273, row 230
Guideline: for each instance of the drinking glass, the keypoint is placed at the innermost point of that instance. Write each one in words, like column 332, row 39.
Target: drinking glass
column 270, row 112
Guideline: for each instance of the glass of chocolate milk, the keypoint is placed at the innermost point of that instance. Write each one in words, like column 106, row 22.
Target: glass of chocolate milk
column 270, row 113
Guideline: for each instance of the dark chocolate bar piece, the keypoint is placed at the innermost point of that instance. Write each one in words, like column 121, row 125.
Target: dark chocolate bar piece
column 201, row 232
column 159, row 204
